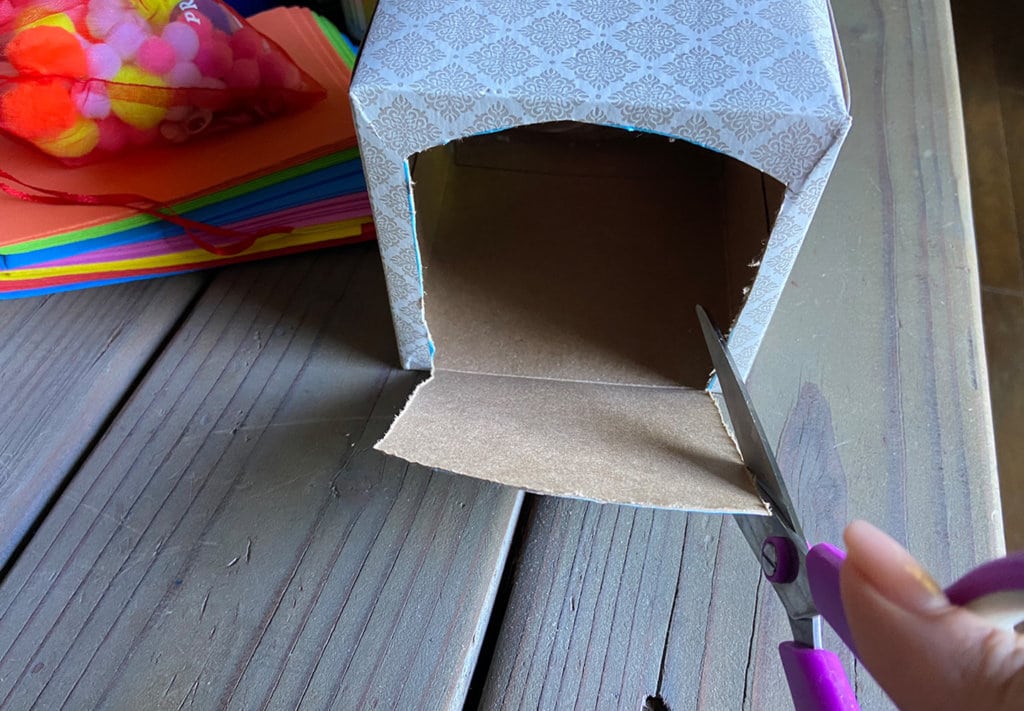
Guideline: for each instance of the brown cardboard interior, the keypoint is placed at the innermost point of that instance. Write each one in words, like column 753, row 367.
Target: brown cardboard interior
column 561, row 266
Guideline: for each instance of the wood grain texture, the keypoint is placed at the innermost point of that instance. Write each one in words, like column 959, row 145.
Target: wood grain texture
column 235, row 542
column 66, row 361
column 871, row 382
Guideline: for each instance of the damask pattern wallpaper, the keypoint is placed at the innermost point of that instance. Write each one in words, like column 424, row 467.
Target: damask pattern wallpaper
column 759, row 80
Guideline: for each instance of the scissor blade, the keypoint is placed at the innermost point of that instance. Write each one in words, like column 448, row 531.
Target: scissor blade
column 760, row 460
column 756, row 452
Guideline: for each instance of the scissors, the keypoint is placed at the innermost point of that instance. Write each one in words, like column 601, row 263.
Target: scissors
column 807, row 579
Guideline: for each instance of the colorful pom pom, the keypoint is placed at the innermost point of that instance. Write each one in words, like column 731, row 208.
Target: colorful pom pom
column 247, row 43
column 214, row 57
column 75, row 142
column 278, row 71
column 113, row 135
column 155, row 55
column 184, row 74
column 158, row 12
column 47, row 50
column 102, row 16
column 133, row 72
column 91, row 99
column 126, row 37
column 203, row 28
column 206, row 16
column 60, row 20
column 244, row 74
column 183, row 39
column 139, row 98
column 37, row 110
column 103, row 61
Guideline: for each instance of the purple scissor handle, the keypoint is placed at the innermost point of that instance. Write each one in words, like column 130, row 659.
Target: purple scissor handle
column 994, row 590
column 807, row 583
column 816, row 677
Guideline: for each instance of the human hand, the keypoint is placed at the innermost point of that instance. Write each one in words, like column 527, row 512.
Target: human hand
column 925, row 652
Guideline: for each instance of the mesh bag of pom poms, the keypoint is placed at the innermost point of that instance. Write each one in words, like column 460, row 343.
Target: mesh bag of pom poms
column 84, row 79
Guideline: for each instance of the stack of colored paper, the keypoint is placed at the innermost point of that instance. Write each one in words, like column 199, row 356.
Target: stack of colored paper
column 300, row 172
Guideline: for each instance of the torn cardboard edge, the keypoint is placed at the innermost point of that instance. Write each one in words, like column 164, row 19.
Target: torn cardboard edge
column 605, row 443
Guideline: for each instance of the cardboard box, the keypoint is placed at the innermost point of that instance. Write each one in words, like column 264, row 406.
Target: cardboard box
column 555, row 186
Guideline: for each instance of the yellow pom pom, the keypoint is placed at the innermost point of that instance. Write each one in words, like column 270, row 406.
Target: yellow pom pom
column 59, row 19
column 77, row 141
column 139, row 98
column 158, row 12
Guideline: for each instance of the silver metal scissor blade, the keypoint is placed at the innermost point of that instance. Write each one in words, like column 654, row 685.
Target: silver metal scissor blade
column 783, row 524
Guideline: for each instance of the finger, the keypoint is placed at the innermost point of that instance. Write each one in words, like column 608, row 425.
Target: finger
column 926, row 653
column 888, row 568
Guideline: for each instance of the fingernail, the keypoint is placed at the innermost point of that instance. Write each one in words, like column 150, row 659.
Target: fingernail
column 890, row 569
column 923, row 577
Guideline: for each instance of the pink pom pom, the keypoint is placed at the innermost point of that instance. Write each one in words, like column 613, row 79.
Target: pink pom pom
column 203, row 29
column 102, row 16
column 155, row 55
column 244, row 73
column 214, row 58
column 278, row 71
column 184, row 74
column 126, row 38
column 6, row 11
column 91, row 99
column 247, row 43
column 113, row 135
column 103, row 61
column 183, row 39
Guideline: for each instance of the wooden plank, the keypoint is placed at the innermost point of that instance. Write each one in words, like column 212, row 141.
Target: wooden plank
column 235, row 542
column 66, row 361
column 872, row 384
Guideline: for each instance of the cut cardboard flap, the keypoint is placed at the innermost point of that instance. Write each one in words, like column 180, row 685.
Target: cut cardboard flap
column 555, row 187
column 652, row 446
column 560, row 269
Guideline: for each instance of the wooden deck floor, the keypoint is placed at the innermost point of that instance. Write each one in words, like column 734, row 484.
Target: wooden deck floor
column 192, row 516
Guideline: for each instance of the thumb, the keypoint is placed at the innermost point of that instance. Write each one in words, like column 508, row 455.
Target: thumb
column 925, row 652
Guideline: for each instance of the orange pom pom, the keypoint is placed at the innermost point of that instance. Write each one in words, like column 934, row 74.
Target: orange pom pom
column 37, row 110
column 48, row 50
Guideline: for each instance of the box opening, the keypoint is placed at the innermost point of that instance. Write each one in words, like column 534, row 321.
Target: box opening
column 577, row 252
column 561, row 264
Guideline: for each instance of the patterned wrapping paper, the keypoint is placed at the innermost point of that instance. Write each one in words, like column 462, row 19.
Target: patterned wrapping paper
column 759, row 80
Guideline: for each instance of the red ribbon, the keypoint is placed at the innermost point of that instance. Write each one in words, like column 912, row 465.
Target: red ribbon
column 244, row 239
